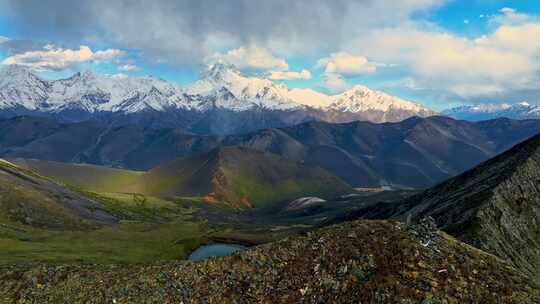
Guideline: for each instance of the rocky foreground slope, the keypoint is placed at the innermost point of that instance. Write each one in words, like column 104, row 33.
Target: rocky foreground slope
column 357, row 262
column 494, row 207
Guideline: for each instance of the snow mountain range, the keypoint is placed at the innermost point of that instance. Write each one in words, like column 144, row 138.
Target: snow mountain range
column 522, row 110
column 224, row 101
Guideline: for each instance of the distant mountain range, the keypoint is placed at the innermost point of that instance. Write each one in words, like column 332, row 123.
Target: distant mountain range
column 224, row 101
column 522, row 110
column 417, row 152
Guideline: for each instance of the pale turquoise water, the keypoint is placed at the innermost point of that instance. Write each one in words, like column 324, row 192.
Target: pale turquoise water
column 214, row 250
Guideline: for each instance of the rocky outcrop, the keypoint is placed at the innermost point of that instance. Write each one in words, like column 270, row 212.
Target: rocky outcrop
column 494, row 207
column 358, row 262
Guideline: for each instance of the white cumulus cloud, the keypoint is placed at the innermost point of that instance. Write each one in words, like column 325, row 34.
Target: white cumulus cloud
column 55, row 58
column 335, row 83
column 502, row 61
column 346, row 64
column 128, row 67
column 251, row 58
column 514, row 38
column 289, row 75
column 3, row 39
column 510, row 16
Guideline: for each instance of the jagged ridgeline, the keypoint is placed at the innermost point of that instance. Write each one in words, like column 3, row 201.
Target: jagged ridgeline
column 417, row 152
column 223, row 102
column 494, row 207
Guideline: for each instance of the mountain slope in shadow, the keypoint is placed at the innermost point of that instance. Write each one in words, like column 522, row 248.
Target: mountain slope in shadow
column 494, row 206
column 415, row 153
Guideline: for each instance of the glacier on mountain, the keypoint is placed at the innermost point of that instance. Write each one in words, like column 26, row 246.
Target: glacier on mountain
column 222, row 86
column 223, row 101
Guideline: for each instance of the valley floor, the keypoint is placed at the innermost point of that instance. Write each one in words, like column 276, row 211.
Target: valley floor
column 151, row 229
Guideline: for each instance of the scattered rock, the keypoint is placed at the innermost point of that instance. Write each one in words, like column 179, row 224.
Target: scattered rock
column 379, row 266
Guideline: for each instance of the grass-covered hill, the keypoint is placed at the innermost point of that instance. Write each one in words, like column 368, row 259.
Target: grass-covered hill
column 234, row 177
column 357, row 262
column 240, row 178
column 42, row 220
column 92, row 214
column 29, row 198
column 88, row 177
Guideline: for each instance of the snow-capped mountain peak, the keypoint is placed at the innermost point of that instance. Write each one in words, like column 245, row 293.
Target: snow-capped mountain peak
column 310, row 98
column 249, row 92
column 361, row 98
column 86, row 74
column 14, row 70
column 223, row 87
column 220, row 72
column 19, row 88
column 17, row 75
column 521, row 110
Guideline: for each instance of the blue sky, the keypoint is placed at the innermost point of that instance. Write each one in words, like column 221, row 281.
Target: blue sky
column 452, row 15
column 440, row 53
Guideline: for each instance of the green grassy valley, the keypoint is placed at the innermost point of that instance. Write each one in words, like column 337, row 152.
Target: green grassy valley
column 75, row 224
column 88, row 177
column 143, row 224
column 43, row 221
column 127, row 242
column 229, row 177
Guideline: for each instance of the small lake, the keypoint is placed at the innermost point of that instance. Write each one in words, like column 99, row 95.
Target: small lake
column 214, row 250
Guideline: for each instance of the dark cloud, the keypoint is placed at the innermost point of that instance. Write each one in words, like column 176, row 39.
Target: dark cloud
column 15, row 46
column 183, row 31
